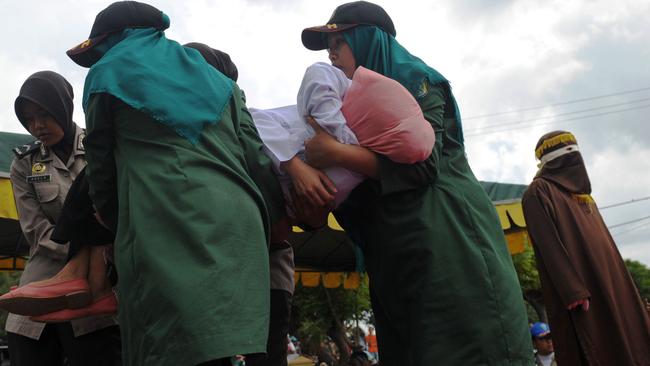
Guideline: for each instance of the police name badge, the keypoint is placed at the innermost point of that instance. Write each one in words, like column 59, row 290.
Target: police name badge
column 41, row 178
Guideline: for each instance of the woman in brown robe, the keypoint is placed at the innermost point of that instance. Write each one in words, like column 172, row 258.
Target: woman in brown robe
column 595, row 311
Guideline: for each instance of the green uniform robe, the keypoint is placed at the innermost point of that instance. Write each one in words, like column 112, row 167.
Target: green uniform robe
column 443, row 287
column 191, row 251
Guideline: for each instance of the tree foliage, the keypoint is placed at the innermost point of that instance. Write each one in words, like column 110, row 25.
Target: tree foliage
column 319, row 312
column 531, row 287
column 7, row 279
column 527, row 270
column 641, row 277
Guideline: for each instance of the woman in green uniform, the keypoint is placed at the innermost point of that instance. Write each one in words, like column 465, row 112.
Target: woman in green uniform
column 171, row 138
column 443, row 287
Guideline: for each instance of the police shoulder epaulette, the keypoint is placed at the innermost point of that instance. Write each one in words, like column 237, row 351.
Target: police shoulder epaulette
column 80, row 140
column 23, row 150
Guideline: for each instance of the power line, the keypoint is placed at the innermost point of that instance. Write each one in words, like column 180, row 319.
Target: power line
column 557, row 104
column 557, row 115
column 632, row 229
column 624, row 203
column 556, row 122
column 629, row 222
column 564, row 120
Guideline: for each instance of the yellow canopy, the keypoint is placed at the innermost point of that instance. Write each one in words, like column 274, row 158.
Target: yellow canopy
column 8, row 206
column 510, row 214
column 301, row 361
column 10, row 235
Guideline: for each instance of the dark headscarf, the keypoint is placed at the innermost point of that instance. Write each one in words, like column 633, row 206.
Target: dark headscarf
column 218, row 59
column 53, row 93
column 568, row 171
column 157, row 76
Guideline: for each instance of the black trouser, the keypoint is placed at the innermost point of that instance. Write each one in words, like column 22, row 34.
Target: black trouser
column 57, row 343
column 276, row 344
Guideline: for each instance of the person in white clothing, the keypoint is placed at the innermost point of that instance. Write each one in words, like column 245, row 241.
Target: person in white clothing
column 370, row 110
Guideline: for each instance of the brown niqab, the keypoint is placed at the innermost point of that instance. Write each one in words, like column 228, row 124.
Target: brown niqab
column 567, row 171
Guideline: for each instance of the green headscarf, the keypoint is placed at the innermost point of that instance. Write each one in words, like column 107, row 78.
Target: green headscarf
column 158, row 76
column 379, row 51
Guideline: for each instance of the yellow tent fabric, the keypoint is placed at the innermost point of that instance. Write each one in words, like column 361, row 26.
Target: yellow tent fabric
column 517, row 241
column 510, row 214
column 12, row 263
column 301, row 361
column 8, row 218
column 332, row 279
column 310, row 279
column 352, row 280
column 8, row 206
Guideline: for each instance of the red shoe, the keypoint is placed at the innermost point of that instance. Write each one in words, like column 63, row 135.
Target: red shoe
column 34, row 299
column 105, row 305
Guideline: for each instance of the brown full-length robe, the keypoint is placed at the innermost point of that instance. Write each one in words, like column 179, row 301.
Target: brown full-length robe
column 577, row 258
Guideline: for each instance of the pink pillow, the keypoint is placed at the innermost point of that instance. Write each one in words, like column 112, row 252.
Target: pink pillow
column 386, row 118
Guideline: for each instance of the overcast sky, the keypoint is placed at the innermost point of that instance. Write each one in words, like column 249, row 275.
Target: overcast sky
column 538, row 58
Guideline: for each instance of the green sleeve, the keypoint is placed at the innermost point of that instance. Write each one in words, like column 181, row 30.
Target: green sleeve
column 101, row 169
column 259, row 166
column 396, row 177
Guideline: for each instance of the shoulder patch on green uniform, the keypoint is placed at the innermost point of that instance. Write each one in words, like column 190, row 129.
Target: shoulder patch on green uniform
column 423, row 90
column 23, row 150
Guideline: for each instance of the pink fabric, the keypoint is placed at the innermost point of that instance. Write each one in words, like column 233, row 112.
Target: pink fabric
column 386, row 118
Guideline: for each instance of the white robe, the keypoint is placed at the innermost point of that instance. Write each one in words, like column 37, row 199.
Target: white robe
column 285, row 129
